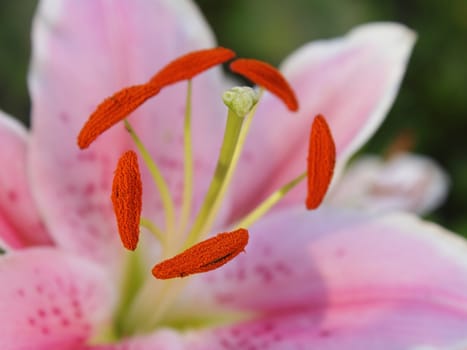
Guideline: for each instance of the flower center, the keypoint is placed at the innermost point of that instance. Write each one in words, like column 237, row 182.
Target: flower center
column 184, row 247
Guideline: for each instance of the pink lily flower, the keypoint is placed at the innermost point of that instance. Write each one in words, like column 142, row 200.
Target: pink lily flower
column 331, row 278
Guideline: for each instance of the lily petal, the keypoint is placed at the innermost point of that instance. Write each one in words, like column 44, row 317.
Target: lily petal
column 351, row 80
column 83, row 52
column 329, row 262
column 392, row 326
column 164, row 339
column 406, row 182
column 51, row 299
column 20, row 223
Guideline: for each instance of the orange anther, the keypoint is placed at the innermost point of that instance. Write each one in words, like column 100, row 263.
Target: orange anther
column 204, row 256
column 113, row 110
column 127, row 200
column 187, row 66
column 265, row 75
column 321, row 162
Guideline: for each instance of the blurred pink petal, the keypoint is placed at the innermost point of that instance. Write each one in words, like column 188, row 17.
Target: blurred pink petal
column 20, row 224
column 51, row 300
column 406, row 182
column 351, row 80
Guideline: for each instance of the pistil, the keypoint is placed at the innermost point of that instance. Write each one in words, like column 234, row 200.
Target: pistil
column 241, row 102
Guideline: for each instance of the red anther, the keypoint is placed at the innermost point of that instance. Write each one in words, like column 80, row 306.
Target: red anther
column 127, row 192
column 321, row 162
column 187, row 66
column 204, row 256
column 113, row 110
column 265, row 75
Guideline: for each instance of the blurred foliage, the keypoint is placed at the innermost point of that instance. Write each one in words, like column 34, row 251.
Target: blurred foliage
column 15, row 27
column 432, row 102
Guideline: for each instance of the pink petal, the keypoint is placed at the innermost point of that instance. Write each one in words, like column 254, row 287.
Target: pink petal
column 351, row 80
column 164, row 339
column 392, row 326
column 20, row 224
column 334, row 264
column 83, row 52
column 51, row 299
column 406, row 182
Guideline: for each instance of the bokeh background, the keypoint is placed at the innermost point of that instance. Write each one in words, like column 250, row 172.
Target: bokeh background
column 432, row 103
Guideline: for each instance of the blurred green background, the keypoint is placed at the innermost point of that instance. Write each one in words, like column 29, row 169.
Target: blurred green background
column 432, row 102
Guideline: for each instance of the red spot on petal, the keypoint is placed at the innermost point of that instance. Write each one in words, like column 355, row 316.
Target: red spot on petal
column 41, row 313
column 265, row 75
column 321, row 162
column 127, row 199
column 204, row 256
column 12, row 196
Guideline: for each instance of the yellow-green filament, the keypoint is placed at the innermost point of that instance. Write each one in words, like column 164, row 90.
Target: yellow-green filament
column 270, row 201
column 159, row 180
column 188, row 164
column 151, row 227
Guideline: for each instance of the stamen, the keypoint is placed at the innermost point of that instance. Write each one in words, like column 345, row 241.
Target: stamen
column 113, row 110
column 265, row 75
column 116, row 108
column 127, row 195
column 270, row 201
column 204, row 256
column 321, row 162
column 187, row 66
